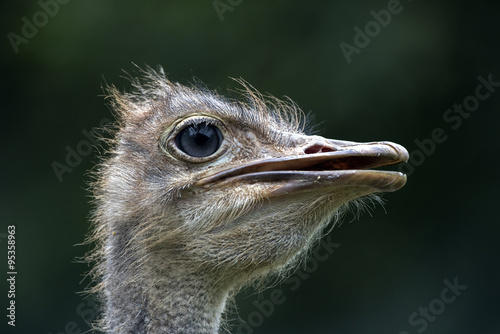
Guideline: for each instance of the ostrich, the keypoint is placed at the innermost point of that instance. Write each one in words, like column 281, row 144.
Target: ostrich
column 201, row 194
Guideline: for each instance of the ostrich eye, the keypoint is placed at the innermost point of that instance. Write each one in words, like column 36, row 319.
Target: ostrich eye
column 199, row 140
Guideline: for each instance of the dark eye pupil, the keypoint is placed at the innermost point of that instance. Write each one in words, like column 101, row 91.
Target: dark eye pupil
column 199, row 140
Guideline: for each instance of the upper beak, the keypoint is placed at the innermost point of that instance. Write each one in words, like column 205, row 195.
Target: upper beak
column 323, row 164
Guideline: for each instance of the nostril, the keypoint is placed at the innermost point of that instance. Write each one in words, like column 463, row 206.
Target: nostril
column 318, row 149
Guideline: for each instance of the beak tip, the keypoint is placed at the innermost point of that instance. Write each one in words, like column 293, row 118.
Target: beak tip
column 401, row 152
column 399, row 181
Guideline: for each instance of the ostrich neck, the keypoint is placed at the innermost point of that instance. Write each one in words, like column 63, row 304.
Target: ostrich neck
column 159, row 297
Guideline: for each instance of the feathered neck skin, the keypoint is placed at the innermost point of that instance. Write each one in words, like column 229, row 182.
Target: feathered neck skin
column 200, row 195
column 163, row 299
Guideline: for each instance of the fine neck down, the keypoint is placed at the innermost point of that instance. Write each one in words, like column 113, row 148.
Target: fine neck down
column 160, row 297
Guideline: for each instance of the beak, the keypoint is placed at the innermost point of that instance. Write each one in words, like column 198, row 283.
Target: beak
column 324, row 164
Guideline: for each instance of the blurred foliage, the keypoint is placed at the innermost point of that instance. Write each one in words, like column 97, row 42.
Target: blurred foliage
column 442, row 225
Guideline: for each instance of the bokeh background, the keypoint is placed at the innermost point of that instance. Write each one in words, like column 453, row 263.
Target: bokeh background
column 442, row 226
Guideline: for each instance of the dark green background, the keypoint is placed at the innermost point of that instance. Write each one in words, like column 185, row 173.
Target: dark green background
column 443, row 224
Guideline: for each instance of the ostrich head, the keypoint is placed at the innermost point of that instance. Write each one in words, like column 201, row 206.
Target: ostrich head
column 201, row 194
